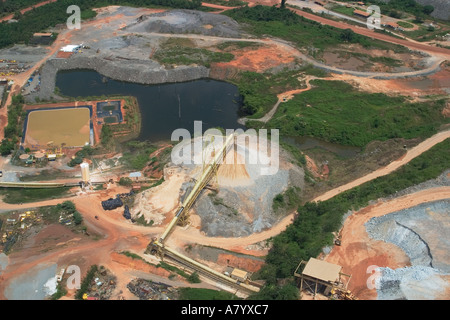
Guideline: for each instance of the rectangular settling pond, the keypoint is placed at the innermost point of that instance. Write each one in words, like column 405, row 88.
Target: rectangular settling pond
column 70, row 126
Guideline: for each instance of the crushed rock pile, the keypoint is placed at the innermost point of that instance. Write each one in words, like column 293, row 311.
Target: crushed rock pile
column 188, row 21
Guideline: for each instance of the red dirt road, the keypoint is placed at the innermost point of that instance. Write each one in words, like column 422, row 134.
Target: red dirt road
column 372, row 34
column 358, row 251
column 40, row 4
column 360, row 30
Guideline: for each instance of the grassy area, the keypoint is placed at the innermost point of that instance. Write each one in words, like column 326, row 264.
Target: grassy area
column 287, row 200
column 177, row 51
column 86, row 282
column 259, row 91
column 424, row 33
column 336, row 112
column 136, row 154
column 284, row 24
column 405, row 24
column 205, row 294
column 313, row 226
column 228, row 3
column 343, row 10
column 22, row 195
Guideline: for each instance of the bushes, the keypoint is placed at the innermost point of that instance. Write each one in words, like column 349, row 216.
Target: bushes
column 39, row 19
column 311, row 229
column 13, row 131
column 205, row 294
column 86, row 281
column 336, row 112
column 283, row 23
column 124, row 181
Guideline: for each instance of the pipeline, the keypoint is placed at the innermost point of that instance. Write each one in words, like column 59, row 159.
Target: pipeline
column 200, row 184
column 204, row 269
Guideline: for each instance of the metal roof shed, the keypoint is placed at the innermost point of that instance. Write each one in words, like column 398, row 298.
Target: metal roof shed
column 318, row 272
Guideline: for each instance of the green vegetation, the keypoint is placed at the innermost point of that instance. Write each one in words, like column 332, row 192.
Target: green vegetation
column 284, row 24
column 177, row 51
column 44, row 17
column 137, row 154
column 171, row 268
column 343, row 10
column 194, row 278
column 424, row 33
column 395, row 8
column 205, row 294
column 405, row 24
column 86, row 282
column 238, row 45
column 23, row 195
column 387, row 61
column 124, row 181
column 13, row 131
column 60, row 292
column 12, row 6
column 313, row 226
column 132, row 255
column 259, row 90
column 80, row 155
column 289, row 199
column 336, row 112
column 66, row 210
column 106, row 135
column 141, row 220
column 228, row 3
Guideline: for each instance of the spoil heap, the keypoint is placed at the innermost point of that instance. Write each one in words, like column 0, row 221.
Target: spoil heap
column 239, row 201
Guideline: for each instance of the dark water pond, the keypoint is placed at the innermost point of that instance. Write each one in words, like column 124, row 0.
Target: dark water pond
column 164, row 107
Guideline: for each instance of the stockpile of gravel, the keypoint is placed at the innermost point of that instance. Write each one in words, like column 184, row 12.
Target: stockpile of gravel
column 410, row 283
column 246, row 207
column 188, row 21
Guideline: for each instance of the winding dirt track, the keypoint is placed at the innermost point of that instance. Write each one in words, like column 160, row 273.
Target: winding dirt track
column 238, row 244
column 119, row 234
column 194, row 236
column 358, row 251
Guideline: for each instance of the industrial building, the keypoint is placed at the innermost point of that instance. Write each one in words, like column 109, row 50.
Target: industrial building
column 361, row 14
column 322, row 277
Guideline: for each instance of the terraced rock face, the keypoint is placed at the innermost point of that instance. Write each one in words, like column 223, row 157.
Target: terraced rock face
column 406, row 238
column 422, row 233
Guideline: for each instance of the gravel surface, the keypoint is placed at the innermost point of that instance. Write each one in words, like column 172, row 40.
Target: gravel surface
column 410, row 283
column 422, row 233
column 188, row 21
column 245, row 208
column 23, row 54
column 125, row 53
